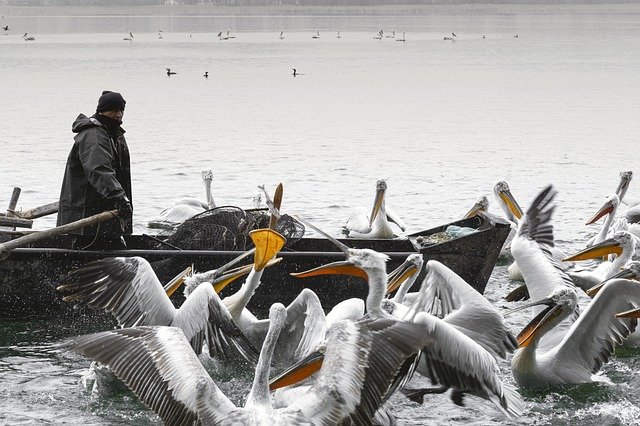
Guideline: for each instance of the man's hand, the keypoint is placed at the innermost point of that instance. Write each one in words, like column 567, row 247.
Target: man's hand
column 124, row 206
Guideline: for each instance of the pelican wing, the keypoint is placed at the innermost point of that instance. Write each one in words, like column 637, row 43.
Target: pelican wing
column 531, row 248
column 360, row 366
column 392, row 216
column 452, row 359
column 633, row 214
column 159, row 366
column 591, row 339
column 126, row 287
column 306, row 326
column 358, row 221
column 467, row 310
column 204, row 313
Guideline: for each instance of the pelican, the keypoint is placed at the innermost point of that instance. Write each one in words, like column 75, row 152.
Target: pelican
column 338, row 36
column 158, row 365
column 317, row 34
column 630, row 272
column 130, row 38
column 376, row 225
column 6, row 28
column 28, row 37
column 451, row 358
column 206, row 74
column 392, row 35
column 445, row 294
column 403, row 39
column 281, row 37
column 378, row 35
column 186, row 207
column 553, row 351
column 622, row 243
column 129, row 289
column 170, row 73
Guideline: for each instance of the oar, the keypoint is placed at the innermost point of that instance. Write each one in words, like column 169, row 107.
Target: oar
column 5, row 248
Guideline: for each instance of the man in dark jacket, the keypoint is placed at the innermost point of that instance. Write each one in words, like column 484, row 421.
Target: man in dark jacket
column 98, row 176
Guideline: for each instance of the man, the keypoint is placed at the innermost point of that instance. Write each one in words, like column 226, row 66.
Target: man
column 98, row 176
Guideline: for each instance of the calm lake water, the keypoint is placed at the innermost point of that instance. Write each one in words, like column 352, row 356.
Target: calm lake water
column 442, row 121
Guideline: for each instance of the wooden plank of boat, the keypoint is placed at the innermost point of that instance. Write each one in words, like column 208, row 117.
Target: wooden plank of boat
column 29, row 276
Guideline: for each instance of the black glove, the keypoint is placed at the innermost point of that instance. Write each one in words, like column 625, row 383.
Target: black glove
column 124, row 207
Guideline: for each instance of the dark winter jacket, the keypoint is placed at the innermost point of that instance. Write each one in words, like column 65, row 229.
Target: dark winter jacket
column 97, row 173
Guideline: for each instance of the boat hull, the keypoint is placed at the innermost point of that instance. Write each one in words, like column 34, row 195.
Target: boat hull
column 29, row 276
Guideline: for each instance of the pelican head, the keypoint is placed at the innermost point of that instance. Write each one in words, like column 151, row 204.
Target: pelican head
column 207, row 175
column 620, row 241
column 481, row 205
column 625, row 180
column 508, row 203
column 560, row 303
column 630, row 272
column 358, row 262
column 609, row 207
column 378, row 203
column 412, row 265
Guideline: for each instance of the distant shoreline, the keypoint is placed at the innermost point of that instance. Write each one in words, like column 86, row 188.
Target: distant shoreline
column 283, row 10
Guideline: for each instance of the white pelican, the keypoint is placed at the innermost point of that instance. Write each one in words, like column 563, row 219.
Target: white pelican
column 622, row 243
column 376, row 225
column 571, row 352
column 186, row 207
column 157, row 364
column 281, row 37
column 127, row 287
column 403, row 38
column 450, row 358
column 170, row 73
column 392, row 35
column 446, row 295
column 630, row 272
column 317, row 34
column 28, row 37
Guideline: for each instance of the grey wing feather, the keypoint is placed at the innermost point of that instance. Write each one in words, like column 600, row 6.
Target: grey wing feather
column 158, row 370
column 125, row 287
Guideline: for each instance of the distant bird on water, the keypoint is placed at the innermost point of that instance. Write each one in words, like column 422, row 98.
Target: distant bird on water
column 403, row 39
column 338, row 36
column 170, row 73
column 454, row 34
column 281, row 37
column 28, row 38
column 515, row 36
column 206, row 74
column 130, row 38
column 6, row 28
column 295, row 72
column 317, row 34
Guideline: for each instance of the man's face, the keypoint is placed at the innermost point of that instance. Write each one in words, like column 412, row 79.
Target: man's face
column 115, row 114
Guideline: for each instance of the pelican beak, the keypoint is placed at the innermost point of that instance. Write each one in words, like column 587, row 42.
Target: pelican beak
column 176, row 282
column 400, row 275
column 604, row 210
column 233, row 274
column 343, row 267
column 474, row 210
column 624, row 273
column 551, row 312
column 299, row 371
column 517, row 294
column 633, row 313
column 511, row 203
column 268, row 243
column 604, row 248
column 377, row 204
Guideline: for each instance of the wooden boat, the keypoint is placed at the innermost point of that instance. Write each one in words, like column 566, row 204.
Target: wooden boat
column 30, row 275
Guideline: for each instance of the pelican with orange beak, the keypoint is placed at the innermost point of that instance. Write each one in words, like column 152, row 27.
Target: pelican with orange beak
column 561, row 345
column 622, row 244
column 630, row 272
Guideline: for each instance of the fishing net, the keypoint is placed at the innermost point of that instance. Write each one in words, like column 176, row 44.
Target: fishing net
column 227, row 228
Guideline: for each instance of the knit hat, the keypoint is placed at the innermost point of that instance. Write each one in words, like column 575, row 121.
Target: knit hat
column 110, row 101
